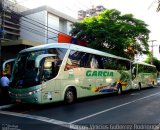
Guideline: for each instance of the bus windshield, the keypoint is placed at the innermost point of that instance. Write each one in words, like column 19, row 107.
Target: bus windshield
column 25, row 74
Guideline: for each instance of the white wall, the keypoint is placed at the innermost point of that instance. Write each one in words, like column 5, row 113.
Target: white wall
column 32, row 30
column 63, row 25
column 53, row 28
column 69, row 27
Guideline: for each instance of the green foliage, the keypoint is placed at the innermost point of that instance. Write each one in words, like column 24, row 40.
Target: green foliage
column 156, row 62
column 158, row 7
column 122, row 35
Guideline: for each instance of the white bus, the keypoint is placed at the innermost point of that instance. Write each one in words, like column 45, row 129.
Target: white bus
column 144, row 75
column 57, row 72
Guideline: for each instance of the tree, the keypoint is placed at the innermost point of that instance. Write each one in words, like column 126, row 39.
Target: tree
column 156, row 62
column 158, row 8
column 122, row 35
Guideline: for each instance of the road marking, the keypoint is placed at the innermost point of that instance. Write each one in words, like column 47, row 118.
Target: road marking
column 40, row 118
column 112, row 108
column 157, row 127
column 6, row 106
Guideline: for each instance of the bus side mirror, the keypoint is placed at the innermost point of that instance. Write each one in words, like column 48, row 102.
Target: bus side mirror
column 6, row 62
column 7, row 66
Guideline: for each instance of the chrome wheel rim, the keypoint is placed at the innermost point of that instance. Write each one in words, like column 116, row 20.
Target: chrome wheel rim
column 69, row 96
column 119, row 91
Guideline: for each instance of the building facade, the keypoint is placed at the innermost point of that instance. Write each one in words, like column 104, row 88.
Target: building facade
column 43, row 24
column 90, row 12
column 9, row 29
column 22, row 28
column 10, row 20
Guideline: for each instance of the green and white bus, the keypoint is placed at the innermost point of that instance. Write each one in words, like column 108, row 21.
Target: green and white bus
column 57, row 72
column 143, row 75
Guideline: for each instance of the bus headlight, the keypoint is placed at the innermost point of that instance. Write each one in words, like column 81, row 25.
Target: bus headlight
column 30, row 93
column 35, row 91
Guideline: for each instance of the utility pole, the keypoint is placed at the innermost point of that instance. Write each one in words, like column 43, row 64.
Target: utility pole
column 1, row 34
column 152, row 41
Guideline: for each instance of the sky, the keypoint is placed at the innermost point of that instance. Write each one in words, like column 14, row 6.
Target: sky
column 141, row 9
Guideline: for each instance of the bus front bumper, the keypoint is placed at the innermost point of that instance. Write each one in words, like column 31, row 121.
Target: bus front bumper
column 24, row 98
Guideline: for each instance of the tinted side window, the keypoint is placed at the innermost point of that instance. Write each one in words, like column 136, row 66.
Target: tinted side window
column 109, row 63
column 100, row 61
column 140, row 68
column 84, row 61
column 150, row 69
column 59, row 51
column 96, row 62
column 115, row 64
column 145, row 69
column 77, row 59
column 123, row 64
column 154, row 70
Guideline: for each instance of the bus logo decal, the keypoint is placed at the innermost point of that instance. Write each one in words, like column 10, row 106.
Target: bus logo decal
column 108, row 88
column 95, row 73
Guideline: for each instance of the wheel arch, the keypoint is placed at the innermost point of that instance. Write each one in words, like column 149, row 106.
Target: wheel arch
column 69, row 87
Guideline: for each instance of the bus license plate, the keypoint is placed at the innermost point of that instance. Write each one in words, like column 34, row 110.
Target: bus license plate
column 18, row 100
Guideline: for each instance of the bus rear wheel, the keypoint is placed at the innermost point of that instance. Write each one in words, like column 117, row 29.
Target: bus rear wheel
column 153, row 84
column 139, row 86
column 119, row 89
column 70, row 96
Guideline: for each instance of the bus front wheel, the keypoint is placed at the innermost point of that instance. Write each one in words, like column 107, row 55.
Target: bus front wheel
column 70, row 96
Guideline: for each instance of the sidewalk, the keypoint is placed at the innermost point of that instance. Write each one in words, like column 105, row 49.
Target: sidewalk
column 2, row 100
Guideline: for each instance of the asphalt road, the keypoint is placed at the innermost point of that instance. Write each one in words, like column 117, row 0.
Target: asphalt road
column 131, row 110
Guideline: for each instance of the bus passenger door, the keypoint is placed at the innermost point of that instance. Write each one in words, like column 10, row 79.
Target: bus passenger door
column 134, row 76
column 46, row 72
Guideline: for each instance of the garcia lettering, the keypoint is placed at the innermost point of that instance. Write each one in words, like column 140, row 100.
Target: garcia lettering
column 95, row 73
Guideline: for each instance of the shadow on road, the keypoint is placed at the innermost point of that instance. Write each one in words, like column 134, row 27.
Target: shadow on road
column 22, row 107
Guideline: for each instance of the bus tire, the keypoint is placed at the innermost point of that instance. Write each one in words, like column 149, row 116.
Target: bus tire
column 119, row 89
column 152, row 84
column 70, row 95
column 139, row 86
